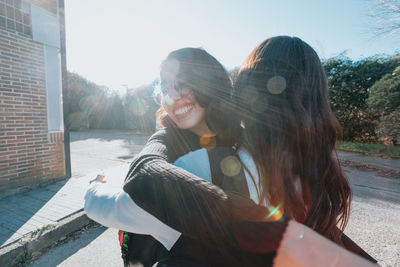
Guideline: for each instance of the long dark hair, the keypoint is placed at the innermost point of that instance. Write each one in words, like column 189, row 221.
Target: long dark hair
column 281, row 98
column 210, row 83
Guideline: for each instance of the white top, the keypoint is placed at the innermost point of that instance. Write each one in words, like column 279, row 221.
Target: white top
column 111, row 206
column 248, row 161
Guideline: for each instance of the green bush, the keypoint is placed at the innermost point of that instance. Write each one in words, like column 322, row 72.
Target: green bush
column 388, row 128
column 89, row 105
column 349, row 88
column 384, row 102
column 384, row 96
column 77, row 121
column 140, row 109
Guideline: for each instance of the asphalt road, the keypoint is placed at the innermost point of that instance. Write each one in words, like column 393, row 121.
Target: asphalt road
column 374, row 222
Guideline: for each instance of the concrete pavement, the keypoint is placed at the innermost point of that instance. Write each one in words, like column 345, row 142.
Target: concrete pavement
column 98, row 246
column 94, row 151
column 28, row 216
column 34, row 220
column 29, row 220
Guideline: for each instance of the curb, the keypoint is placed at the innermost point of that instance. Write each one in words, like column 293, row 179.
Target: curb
column 368, row 154
column 11, row 253
column 382, row 170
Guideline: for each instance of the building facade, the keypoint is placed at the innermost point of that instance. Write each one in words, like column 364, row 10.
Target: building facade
column 32, row 67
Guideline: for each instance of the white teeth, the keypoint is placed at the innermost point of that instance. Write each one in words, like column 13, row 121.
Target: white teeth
column 183, row 110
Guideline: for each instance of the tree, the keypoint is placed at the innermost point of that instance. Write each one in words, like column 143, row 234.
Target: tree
column 84, row 98
column 349, row 84
column 388, row 128
column 384, row 95
column 112, row 113
column 140, row 109
column 384, row 101
column 233, row 73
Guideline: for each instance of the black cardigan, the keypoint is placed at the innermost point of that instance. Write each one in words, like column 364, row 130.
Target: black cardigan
column 199, row 210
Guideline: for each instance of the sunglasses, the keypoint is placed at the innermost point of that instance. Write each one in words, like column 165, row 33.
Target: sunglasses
column 180, row 87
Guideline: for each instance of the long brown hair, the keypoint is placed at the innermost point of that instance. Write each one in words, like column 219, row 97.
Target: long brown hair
column 281, row 98
column 209, row 81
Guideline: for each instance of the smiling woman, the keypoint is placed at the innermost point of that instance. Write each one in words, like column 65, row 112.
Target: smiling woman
column 178, row 100
column 194, row 92
column 193, row 81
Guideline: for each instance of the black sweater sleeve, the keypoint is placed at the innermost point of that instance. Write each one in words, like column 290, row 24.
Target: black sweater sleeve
column 178, row 198
column 184, row 201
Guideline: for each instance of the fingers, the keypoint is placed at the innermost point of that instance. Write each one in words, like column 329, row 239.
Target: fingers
column 99, row 178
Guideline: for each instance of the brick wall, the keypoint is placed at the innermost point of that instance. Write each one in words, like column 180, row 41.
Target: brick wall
column 29, row 154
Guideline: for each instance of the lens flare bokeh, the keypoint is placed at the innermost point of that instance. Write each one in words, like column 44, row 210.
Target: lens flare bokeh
column 231, row 166
column 275, row 213
column 276, row 85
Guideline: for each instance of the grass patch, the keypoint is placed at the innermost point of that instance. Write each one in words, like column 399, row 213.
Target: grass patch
column 371, row 149
column 23, row 260
column 41, row 229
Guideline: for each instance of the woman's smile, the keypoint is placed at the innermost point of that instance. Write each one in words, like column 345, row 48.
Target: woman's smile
column 182, row 107
column 183, row 111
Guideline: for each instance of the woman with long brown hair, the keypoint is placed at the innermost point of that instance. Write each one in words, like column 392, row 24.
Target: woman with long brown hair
column 283, row 125
column 193, row 84
column 290, row 132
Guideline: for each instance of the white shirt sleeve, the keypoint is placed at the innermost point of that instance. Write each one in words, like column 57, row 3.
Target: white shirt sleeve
column 112, row 207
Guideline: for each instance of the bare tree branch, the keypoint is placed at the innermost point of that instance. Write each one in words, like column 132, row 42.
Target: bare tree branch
column 387, row 17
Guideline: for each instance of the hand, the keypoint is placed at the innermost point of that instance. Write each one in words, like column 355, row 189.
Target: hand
column 99, row 178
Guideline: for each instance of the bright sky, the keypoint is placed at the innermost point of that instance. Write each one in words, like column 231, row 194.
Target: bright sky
column 122, row 42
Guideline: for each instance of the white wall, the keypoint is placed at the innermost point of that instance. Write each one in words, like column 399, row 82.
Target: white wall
column 46, row 30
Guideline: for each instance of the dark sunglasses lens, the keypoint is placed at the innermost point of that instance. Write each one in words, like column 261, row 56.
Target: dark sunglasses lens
column 163, row 87
column 178, row 86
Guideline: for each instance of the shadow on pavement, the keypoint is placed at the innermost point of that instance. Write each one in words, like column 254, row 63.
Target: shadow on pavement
column 62, row 252
column 17, row 218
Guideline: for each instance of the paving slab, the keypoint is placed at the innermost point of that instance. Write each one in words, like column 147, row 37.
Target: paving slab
column 25, row 213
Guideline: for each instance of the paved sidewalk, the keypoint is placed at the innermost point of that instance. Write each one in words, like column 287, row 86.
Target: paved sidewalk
column 26, row 213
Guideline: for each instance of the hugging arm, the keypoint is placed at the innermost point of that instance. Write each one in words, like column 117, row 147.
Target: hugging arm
column 112, row 207
column 200, row 209
column 186, row 202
